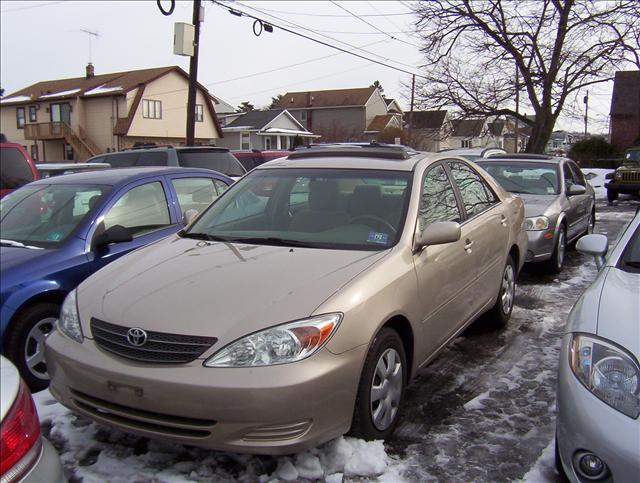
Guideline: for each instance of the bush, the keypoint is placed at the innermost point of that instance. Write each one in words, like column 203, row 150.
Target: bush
column 593, row 148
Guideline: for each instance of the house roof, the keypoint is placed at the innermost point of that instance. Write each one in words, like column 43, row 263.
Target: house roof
column 255, row 119
column 379, row 123
column 426, row 119
column 467, row 128
column 625, row 100
column 328, row 98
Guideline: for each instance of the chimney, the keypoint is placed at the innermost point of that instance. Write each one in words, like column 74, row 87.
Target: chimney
column 90, row 70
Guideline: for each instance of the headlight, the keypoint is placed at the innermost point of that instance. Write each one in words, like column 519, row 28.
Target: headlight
column 536, row 223
column 69, row 322
column 618, row 175
column 278, row 345
column 607, row 372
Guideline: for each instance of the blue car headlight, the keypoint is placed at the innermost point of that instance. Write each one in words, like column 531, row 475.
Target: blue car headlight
column 609, row 373
column 69, row 321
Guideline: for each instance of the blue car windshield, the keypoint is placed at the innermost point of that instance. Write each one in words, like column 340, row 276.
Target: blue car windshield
column 528, row 178
column 351, row 209
column 46, row 215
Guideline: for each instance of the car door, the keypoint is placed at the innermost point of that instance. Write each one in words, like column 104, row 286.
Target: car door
column 445, row 273
column 575, row 204
column 142, row 208
column 486, row 231
column 585, row 201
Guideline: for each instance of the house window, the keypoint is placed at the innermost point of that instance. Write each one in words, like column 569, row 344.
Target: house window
column 34, row 152
column 20, row 117
column 303, row 115
column 245, row 140
column 199, row 113
column 151, row 109
column 466, row 143
column 33, row 114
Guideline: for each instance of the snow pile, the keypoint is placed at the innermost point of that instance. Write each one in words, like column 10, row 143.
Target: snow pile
column 596, row 178
column 102, row 90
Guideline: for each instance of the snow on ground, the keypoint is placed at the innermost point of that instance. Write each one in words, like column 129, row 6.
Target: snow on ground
column 596, row 178
column 482, row 411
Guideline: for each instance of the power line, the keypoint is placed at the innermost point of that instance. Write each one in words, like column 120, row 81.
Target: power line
column 371, row 25
column 235, row 10
column 305, row 14
column 31, row 6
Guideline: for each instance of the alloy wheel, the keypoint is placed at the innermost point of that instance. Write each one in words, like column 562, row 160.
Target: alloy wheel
column 507, row 291
column 34, row 347
column 386, row 389
column 560, row 249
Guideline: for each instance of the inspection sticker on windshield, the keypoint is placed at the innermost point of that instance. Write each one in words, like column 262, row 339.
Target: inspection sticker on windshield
column 376, row 237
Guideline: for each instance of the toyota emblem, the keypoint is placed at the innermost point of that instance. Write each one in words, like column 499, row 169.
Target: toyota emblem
column 136, row 336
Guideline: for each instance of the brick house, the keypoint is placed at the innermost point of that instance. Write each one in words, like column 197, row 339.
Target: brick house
column 624, row 128
column 74, row 119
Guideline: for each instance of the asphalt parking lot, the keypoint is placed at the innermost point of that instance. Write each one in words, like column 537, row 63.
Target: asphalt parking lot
column 483, row 411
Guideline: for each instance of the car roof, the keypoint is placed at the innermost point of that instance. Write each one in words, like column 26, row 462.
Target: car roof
column 165, row 148
column 351, row 158
column 522, row 158
column 118, row 175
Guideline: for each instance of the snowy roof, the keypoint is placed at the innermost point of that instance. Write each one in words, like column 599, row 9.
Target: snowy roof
column 16, row 99
column 60, row 94
column 102, row 90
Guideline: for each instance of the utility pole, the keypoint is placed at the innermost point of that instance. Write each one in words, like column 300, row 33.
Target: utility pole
column 413, row 91
column 586, row 113
column 517, row 147
column 193, row 77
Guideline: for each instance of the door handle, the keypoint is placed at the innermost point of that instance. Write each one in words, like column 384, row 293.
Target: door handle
column 503, row 220
column 468, row 245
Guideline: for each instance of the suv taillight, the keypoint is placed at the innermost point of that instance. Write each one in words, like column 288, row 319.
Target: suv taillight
column 20, row 442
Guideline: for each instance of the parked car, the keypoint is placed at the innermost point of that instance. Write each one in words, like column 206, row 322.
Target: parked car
column 281, row 324
column 254, row 157
column 625, row 179
column 26, row 456
column 560, row 205
column 473, row 154
column 208, row 157
column 47, row 170
column 598, row 425
column 57, row 231
column 16, row 167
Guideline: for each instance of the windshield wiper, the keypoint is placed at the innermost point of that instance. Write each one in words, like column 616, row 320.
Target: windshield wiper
column 282, row 242
column 204, row 236
column 13, row 243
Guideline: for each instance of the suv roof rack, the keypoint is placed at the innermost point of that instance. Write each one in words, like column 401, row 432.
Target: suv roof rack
column 390, row 152
column 148, row 146
column 521, row 156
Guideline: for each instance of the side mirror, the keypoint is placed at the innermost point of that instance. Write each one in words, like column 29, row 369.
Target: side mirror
column 576, row 189
column 115, row 234
column 189, row 216
column 437, row 233
column 595, row 245
column 610, row 175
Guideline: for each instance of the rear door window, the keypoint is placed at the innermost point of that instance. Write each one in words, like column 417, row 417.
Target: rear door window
column 221, row 161
column 477, row 195
column 152, row 158
column 14, row 168
column 122, row 160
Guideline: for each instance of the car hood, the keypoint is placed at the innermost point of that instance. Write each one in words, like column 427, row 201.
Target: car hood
column 224, row 290
column 16, row 256
column 536, row 205
column 619, row 310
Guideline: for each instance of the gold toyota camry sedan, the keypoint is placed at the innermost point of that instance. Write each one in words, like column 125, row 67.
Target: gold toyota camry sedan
column 297, row 307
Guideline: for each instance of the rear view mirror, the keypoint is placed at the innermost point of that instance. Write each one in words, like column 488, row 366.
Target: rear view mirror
column 576, row 189
column 437, row 233
column 114, row 234
column 189, row 216
column 595, row 245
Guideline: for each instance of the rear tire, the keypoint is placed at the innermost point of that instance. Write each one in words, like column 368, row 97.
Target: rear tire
column 500, row 313
column 24, row 343
column 381, row 387
column 612, row 196
column 556, row 262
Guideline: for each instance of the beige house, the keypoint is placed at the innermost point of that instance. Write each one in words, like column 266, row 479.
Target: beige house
column 74, row 119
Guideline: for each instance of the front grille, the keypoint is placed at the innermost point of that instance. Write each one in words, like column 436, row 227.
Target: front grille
column 143, row 420
column 160, row 346
column 631, row 177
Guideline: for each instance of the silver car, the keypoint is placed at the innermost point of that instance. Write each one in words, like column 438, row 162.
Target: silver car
column 295, row 308
column 559, row 204
column 597, row 428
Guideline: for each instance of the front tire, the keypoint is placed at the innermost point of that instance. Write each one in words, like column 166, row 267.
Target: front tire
column 612, row 196
column 500, row 313
column 381, row 388
column 556, row 262
column 25, row 343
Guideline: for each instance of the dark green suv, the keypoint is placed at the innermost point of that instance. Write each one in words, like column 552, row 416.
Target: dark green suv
column 625, row 179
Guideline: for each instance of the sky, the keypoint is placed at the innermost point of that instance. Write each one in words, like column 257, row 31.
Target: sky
column 44, row 40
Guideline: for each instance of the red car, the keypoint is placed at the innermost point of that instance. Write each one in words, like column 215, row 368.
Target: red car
column 254, row 157
column 16, row 167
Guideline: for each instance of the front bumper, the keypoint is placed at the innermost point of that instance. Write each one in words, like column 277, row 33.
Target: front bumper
column 586, row 423
column 625, row 188
column 280, row 409
column 540, row 246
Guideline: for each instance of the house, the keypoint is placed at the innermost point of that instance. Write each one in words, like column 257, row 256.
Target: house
column 384, row 128
column 74, row 119
column 272, row 129
column 559, row 143
column 336, row 115
column 625, row 110
column 429, row 129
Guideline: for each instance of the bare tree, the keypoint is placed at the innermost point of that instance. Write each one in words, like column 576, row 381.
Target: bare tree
column 473, row 50
column 245, row 106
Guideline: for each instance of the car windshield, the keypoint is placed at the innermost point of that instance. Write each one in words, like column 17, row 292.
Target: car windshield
column 632, row 158
column 524, row 178
column 45, row 215
column 221, row 161
column 318, row 208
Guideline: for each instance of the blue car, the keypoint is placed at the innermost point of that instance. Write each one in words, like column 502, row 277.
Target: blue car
column 57, row 231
